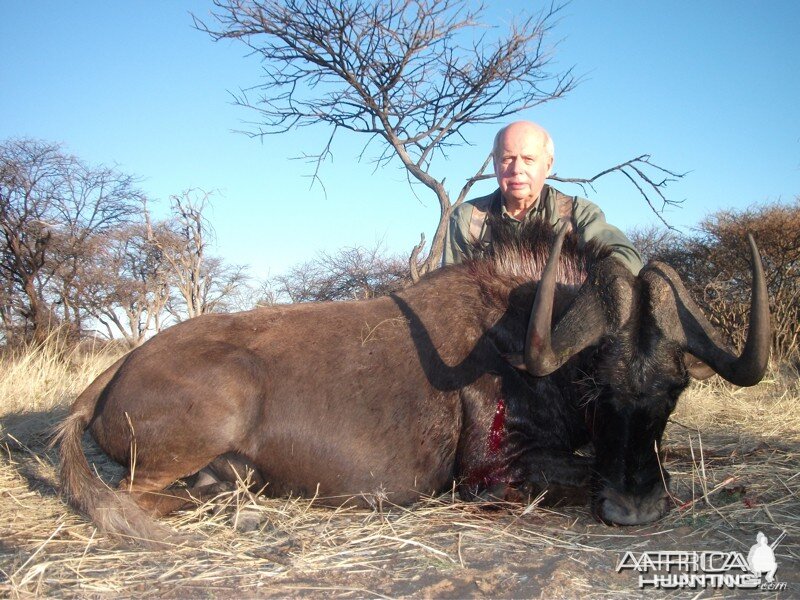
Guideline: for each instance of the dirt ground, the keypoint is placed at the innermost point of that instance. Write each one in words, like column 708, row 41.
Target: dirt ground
column 734, row 456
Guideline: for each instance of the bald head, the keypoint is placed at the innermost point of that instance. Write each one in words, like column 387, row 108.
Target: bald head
column 523, row 156
column 529, row 130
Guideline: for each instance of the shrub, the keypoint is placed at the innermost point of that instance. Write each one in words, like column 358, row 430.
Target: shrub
column 714, row 263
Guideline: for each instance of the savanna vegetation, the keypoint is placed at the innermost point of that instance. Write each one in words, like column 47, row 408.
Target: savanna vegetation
column 733, row 452
column 87, row 273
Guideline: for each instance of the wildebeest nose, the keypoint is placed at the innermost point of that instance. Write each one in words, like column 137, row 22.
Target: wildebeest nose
column 622, row 509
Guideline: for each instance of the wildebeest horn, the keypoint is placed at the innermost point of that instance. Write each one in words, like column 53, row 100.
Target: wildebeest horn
column 680, row 318
column 548, row 347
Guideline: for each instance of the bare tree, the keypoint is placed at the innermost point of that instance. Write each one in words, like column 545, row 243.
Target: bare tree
column 265, row 292
column 51, row 204
column 28, row 171
column 655, row 242
column 714, row 262
column 411, row 74
column 126, row 285
column 350, row 274
column 203, row 283
column 8, row 312
column 100, row 202
column 776, row 228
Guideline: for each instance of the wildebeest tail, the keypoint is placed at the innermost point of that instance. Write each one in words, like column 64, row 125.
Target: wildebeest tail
column 115, row 513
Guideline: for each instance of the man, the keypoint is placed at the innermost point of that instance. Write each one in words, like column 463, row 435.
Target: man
column 523, row 157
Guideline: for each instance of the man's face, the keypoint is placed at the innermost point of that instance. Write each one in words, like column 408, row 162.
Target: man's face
column 521, row 164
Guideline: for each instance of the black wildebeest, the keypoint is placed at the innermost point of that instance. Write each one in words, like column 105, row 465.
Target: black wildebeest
column 402, row 395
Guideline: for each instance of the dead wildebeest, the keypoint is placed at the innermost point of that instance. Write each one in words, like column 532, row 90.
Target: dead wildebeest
column 402, row 395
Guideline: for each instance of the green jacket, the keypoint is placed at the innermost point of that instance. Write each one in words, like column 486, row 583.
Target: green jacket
column 586, row 218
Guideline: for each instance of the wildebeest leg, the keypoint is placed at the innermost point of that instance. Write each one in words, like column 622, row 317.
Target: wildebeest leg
column 151, row 490
column 564, row 476
column 155, row 496
column 235, row 469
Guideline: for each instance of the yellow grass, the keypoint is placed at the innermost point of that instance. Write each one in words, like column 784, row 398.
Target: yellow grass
column 733, row 454
column 40, row 378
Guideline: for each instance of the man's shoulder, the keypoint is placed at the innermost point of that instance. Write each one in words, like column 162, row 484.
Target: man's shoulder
column 463, row 212
column 579, row 201
column 585, row 203
column 580, row 206
column 481, row 203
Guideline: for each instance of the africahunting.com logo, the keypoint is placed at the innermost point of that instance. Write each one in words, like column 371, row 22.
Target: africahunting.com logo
column 704, row 569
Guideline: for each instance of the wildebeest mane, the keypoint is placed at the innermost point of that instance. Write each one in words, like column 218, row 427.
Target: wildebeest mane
column 518, row 255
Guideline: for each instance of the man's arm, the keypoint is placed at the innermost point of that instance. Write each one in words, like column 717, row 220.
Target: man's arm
column 455, row 242
column 592, row 225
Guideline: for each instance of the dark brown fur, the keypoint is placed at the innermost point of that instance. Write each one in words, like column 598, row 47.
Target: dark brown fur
column 398, row 397
column 391, row 396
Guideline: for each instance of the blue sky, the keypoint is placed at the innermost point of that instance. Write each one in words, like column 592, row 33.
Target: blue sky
column 711, row 88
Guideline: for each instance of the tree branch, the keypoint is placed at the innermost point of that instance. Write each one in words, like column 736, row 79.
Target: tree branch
column 635, row 170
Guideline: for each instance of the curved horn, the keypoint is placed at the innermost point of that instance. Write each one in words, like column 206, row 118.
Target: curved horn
column 580, row 326
column 538, row 355
column 696, row 335
column 749, row 368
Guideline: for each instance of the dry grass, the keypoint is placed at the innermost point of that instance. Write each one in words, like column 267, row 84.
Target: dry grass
column 733, row 454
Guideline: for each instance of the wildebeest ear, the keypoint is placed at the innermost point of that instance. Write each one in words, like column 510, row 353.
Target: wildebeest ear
column 516, row 360
column 696, row 367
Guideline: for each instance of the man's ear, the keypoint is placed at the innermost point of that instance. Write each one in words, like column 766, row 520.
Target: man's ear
column 549, row 166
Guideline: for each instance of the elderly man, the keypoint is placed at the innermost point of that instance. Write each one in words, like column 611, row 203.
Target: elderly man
column 523, row 156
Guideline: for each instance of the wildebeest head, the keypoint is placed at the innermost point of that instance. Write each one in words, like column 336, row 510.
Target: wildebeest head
column 648, row 336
